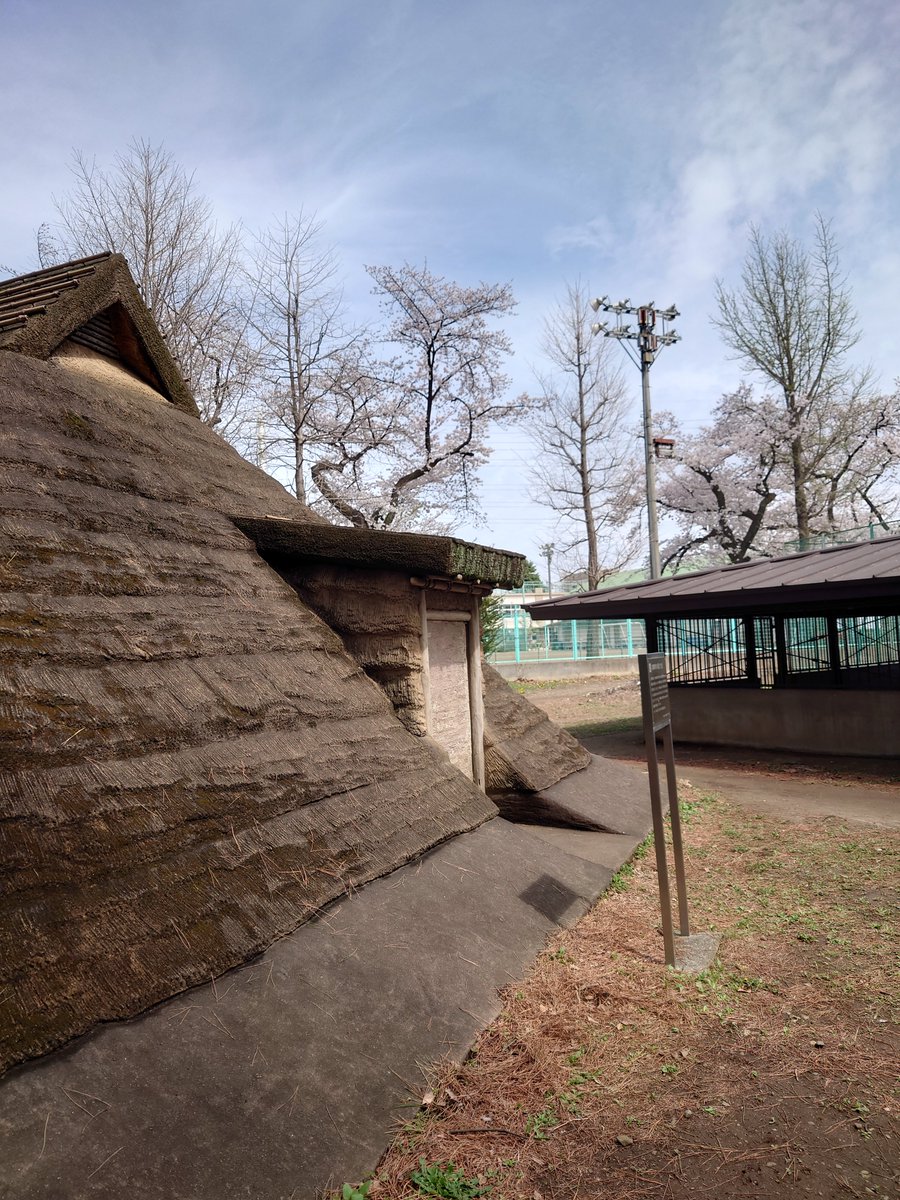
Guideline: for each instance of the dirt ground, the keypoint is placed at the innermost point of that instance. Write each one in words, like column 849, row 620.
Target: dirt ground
column 605, row 713
column 772, row 1074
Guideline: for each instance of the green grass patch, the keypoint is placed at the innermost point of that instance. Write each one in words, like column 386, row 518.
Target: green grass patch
column 445, row 1180
column 598, row 728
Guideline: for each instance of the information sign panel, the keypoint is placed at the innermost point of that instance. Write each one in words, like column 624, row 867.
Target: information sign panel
column 655, row 692
column 658, row 717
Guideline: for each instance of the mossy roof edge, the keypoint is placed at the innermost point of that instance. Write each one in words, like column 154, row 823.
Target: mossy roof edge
column 421, row 554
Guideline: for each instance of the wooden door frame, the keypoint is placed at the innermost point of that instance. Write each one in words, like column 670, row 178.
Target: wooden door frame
column 472, row 618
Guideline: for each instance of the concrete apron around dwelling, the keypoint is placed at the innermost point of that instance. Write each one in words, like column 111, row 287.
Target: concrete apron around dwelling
column 285, row 1077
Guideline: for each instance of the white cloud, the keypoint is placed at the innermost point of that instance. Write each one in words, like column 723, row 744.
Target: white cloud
column 596, row 234
column 796, row 113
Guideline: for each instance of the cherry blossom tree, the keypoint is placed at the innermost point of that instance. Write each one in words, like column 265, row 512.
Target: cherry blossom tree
column 853, row 479
column 440, row 392
column 724, row 486
column 381, row 428
column 730, row 486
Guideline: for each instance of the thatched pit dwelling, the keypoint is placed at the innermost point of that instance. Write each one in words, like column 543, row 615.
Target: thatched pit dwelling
column 406, row 607
column 197, row 759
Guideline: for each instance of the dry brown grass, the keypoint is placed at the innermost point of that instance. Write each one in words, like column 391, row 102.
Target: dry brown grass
column 768, row 1075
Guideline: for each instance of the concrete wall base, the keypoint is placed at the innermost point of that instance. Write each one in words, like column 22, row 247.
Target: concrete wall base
column 566, row 668
column 818, row 721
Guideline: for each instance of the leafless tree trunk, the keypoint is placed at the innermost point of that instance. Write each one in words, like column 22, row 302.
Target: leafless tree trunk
column 579, row 430
column 305, row 347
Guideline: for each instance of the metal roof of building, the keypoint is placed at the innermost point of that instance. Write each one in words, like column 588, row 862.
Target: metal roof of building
column 863, row 575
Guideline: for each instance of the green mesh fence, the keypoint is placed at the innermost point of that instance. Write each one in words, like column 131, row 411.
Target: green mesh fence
column 713, row 650
column 522, row 639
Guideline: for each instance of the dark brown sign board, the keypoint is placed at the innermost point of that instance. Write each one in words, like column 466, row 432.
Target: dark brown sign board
column 657, row 718
column 656, row 690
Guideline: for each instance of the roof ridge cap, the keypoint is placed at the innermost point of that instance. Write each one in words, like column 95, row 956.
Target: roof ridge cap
column 86, row 261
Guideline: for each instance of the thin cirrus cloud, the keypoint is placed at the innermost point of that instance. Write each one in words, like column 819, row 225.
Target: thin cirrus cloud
column 793, row 118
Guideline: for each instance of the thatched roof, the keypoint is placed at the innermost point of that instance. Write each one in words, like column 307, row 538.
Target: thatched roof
column 192, row 763
column 94, row 299
column 286, row 541
column 524, row 751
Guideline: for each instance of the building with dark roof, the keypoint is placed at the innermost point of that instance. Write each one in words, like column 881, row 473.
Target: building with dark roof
column 800, row 652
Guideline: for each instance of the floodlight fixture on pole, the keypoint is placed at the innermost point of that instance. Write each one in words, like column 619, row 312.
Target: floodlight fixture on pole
column 649, row 342
column 547, row 551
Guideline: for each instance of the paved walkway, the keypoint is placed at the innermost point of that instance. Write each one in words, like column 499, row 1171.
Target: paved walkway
column 800, row 800
column 796, row 787
column 286, row 1076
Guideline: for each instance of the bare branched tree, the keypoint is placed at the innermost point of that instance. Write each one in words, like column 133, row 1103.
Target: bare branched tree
column 584, row 446
column 792, row 322
column 147, row 208
column 384, row 437
column 312, row 365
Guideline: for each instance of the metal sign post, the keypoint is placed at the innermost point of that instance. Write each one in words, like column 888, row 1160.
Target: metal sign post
column 657, row 717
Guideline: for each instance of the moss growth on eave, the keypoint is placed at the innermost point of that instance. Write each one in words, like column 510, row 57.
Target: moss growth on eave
column 487, row 564
column 419, row 554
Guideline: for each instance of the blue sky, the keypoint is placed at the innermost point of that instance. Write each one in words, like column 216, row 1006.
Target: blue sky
column 536, row 142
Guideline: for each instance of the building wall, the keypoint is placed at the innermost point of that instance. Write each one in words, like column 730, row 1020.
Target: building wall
column 377, row 615
column 566, row 668
column 822, row 721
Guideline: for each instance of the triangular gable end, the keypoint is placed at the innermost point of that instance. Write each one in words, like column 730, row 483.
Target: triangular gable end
column 94, row 303
column 112, row 334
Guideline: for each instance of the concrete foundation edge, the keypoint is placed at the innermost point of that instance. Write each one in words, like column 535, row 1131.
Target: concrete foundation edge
column 284, row 1077
column 566, row 668
column 814, row 720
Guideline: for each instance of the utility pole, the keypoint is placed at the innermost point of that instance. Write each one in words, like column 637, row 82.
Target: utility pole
column 649, row 343
column 547, row 551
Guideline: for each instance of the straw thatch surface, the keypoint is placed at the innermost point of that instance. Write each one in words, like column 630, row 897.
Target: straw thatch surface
column 523, row 750
column 39, row 311
column 192, row 763
column 377, row 616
